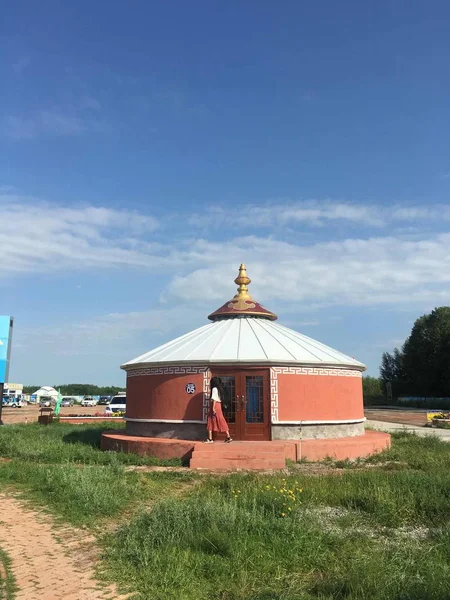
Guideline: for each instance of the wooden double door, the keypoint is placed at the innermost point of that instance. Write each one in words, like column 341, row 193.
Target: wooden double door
column 246, row 404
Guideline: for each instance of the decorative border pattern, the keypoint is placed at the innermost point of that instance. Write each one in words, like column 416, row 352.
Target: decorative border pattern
column 323, row 422
column 274, row 395
column 275, row 371
column 316, row 371
column 206, row 393
column 166, row 371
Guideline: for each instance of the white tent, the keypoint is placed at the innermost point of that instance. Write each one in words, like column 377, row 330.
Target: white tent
column 46, row 391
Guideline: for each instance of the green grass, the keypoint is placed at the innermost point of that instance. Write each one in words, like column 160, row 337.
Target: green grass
column 377, row 529
column 7, row 581
column 62, row 467
column 428, row 453
column 64, row 442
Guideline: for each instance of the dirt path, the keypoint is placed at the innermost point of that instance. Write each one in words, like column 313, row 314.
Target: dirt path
column 49, row 563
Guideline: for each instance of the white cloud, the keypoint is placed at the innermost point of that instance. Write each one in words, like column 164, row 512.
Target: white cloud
column 112, row 332
column 46, row 122
column 287, row 275
column 74, row 119
column 317, row 213
column 49, row 237
column 350, row 272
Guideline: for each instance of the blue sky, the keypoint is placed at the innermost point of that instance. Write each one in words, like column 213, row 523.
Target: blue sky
column 147, row 148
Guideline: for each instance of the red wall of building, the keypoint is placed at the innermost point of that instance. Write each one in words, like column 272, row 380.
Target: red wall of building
column 165, row 397
column 319, row 397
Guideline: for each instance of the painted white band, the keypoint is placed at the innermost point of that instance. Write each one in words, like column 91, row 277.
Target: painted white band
column 339, row 422
column 163, row 420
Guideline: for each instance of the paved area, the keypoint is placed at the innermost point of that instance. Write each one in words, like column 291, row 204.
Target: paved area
column 444, row 434
column 415, row 416
column 30, row 413
column 48, row 563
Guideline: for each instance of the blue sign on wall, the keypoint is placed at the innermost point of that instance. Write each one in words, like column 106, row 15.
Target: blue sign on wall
column 6, row 327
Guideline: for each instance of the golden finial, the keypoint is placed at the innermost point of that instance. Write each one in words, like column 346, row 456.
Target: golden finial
column 243, row 280
column 242, row 304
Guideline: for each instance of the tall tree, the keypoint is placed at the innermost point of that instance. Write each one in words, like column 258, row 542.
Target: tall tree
column 426, row 353
column 422, row 366
column 392, row 368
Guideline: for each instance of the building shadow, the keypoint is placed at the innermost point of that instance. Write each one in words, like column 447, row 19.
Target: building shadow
column 90, row 437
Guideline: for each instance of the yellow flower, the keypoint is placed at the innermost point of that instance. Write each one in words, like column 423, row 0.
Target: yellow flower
column 289, row 508
column 283, row 514
column 267, row 487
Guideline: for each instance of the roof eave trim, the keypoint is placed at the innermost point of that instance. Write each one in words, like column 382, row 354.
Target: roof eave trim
column 233, row 362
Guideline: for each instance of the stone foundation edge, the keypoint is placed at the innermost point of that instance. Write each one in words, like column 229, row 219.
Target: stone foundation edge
column 308, row 449
column 197, row 431
column 177, row 431
column 320, row 431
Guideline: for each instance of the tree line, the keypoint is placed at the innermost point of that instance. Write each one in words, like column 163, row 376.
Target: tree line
column 421, row 367
column 79, row 389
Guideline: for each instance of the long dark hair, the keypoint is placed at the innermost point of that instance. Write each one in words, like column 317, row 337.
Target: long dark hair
column 216, row 382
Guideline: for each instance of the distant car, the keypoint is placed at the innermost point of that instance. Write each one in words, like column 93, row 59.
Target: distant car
column 46, row 401
column 104, row 400
column 67, row 402
column 118, row 404
column 88, row 401
column 13, row 402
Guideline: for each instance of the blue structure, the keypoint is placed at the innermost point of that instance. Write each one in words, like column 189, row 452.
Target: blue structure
column 6, row 327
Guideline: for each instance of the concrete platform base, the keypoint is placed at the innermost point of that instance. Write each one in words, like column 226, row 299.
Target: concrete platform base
column 248, row 455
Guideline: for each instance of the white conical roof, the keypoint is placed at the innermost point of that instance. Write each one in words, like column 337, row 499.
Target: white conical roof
column 46, row 390
column 247, row 340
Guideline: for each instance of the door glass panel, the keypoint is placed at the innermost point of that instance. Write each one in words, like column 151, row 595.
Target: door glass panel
column 229, row 399
column 254, row 396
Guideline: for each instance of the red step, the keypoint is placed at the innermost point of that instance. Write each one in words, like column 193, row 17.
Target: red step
column 244, row 446
column 250, row 455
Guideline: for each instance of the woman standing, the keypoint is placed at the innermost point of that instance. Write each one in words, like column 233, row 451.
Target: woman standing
column 216, row 420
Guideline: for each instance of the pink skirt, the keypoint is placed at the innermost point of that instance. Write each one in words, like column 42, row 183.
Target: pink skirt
column 217, row 422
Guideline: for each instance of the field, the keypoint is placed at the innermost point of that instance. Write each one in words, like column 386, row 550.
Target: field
column 30, row 413
column 375, row 529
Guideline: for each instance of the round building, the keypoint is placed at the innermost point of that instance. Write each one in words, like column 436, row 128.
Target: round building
column 279, row 384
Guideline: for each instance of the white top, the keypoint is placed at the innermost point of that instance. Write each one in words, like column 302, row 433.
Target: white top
column 215, row 395
column 245, row 340
column 46, row 391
